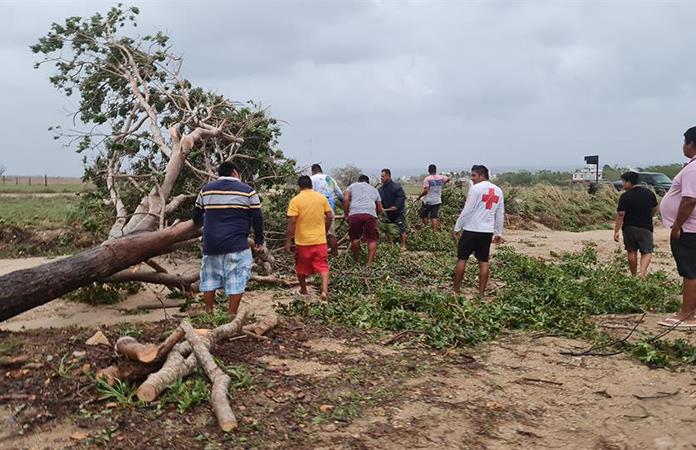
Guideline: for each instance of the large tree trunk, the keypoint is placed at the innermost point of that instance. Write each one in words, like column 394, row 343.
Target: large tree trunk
column 25, row 289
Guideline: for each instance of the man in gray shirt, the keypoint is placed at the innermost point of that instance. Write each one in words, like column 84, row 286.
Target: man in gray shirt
column 361, row 203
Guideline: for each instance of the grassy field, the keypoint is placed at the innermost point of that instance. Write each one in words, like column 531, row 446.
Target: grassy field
column 40, row 188
column 39, row 213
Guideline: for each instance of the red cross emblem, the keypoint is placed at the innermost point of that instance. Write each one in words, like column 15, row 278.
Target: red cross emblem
column 490, row 199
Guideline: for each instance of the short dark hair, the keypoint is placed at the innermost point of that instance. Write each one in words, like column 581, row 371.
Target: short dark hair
column 387, row 171
column 316, row 168
column 481, row 170
column 432, row 169
column 690, row 136
column 225, row 169
column 363, row 179
column 630, row 176
column 304, row 182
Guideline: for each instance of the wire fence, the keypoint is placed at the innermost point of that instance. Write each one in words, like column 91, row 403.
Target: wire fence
column 39, row 180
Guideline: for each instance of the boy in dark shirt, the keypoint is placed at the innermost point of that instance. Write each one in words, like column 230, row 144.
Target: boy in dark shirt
column 634, row 215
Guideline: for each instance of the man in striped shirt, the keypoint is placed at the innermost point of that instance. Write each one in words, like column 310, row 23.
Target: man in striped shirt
column 227, row 209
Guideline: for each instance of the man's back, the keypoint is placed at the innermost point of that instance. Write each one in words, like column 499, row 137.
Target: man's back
column 325, row 185
column 226, row 208
column 483, row 210
column 363, row 198
column 310, row 208
column 434, row 183
column 637, row 203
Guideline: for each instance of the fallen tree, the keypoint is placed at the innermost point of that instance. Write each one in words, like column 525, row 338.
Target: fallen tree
column 155, row 139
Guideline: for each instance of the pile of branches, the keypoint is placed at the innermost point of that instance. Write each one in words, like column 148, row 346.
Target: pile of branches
column 178, row 356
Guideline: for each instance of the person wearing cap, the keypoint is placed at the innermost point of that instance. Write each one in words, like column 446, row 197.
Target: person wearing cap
column 678, row 210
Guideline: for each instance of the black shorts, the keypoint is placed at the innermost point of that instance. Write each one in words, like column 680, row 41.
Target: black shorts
column 399, row 220
column 477, row 243
column 684, row 253
column 637, row 238
column 431, row 211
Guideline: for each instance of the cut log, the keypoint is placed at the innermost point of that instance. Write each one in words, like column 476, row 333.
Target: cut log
column 25, row 289
column 147, row 353
column 180, row 363
column 174, row 368
column 267, row 323
column 169, row 343
column 127, row 370
column 221, row 381
column 132, row 349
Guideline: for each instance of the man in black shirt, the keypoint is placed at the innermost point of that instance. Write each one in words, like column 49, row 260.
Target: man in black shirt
column 394, row 202
column 634, row 216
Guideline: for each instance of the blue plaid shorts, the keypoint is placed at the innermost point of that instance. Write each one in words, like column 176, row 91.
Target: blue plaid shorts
column 229, row 270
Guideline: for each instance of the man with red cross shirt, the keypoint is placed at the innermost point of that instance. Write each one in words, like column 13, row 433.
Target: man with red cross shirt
column 479, row 224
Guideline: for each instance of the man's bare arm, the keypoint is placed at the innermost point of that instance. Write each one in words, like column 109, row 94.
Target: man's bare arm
column 686, row 207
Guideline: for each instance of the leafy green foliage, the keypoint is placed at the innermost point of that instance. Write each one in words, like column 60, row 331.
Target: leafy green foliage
column 537, row 296
column 570, row 209
column 187, row 393
column 129, row 91
column 102, row 293
column 121, row 392
column 219, row 316
column 659, row 353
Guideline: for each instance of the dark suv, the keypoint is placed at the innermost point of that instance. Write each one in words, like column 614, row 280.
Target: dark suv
column 659, row 182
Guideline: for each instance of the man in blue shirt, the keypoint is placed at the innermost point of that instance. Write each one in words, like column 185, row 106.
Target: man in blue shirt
column 394, row 202
column 227, row 209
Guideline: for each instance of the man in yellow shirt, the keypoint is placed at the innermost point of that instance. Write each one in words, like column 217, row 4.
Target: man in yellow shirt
column 309, row 219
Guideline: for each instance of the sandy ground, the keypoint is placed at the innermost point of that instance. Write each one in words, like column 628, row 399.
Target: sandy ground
column 521, row 392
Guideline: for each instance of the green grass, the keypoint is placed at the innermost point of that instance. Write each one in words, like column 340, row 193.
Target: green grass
column 45, row 213
column 38, row 187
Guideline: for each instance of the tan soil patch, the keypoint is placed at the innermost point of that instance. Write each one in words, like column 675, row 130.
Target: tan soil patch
column 294, row 367
column 53, row 436
column 349, row 350
column 528, row 395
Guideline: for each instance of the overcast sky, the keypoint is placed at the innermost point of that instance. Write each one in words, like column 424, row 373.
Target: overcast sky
column 402, row 84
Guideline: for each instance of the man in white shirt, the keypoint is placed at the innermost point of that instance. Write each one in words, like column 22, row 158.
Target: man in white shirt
column 329, row 188
column 479, row 224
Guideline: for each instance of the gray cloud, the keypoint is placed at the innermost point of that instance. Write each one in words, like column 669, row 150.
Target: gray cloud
column 402, row 84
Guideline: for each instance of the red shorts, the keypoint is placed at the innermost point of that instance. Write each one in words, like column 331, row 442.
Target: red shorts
column 363, row 226
column 311, row 258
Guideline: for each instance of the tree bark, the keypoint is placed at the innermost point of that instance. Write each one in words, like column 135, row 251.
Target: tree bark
column 25, row 289
column 220, row 380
